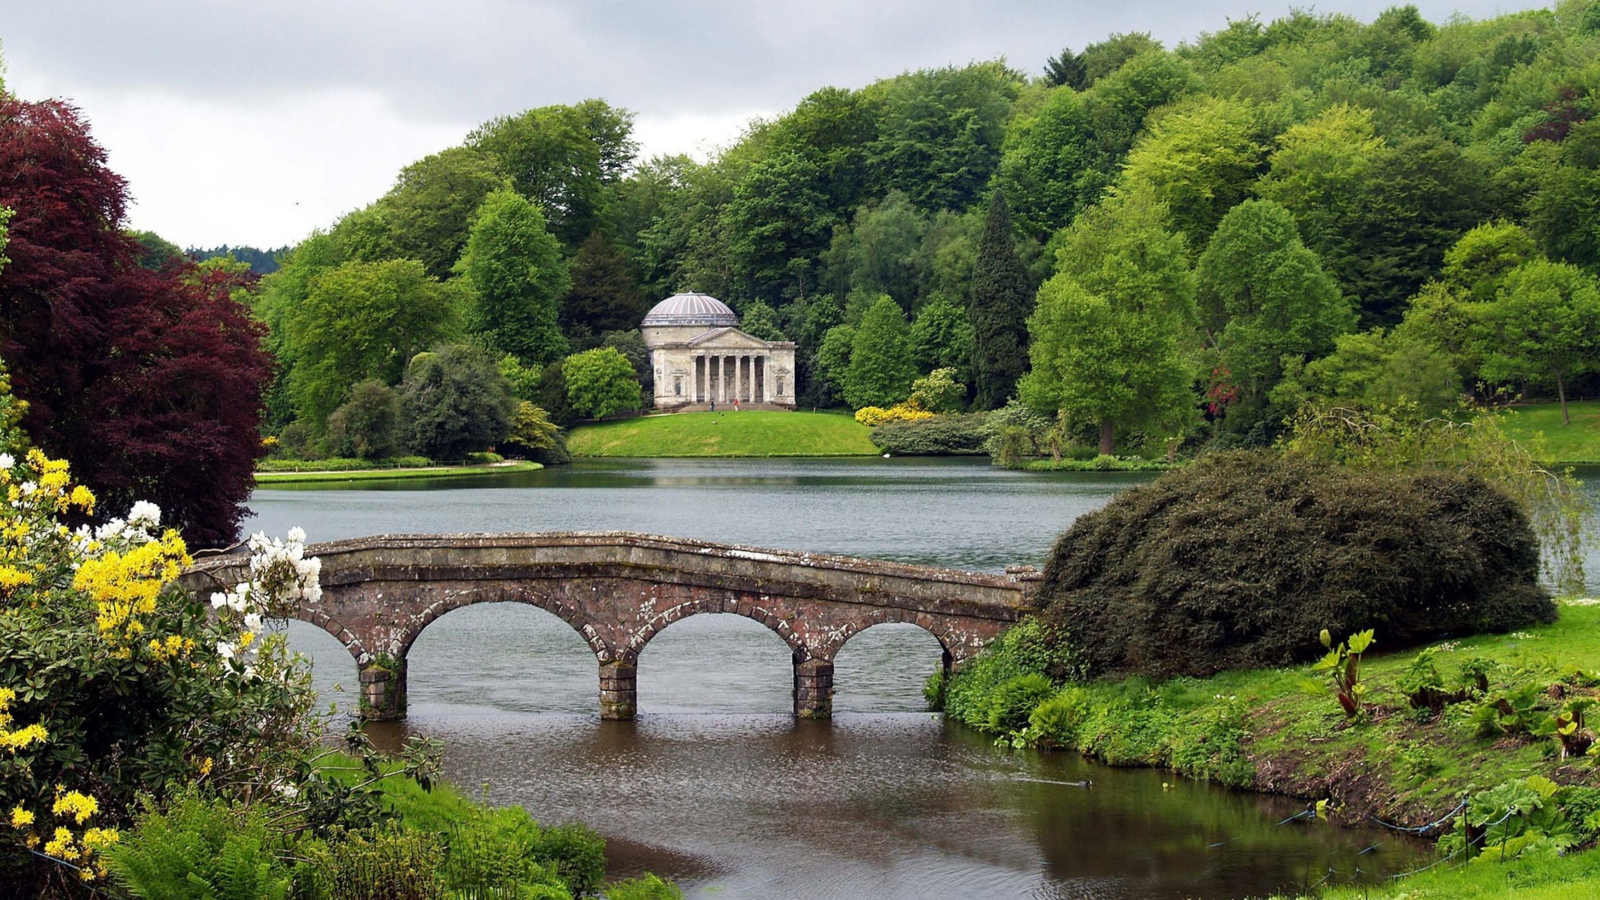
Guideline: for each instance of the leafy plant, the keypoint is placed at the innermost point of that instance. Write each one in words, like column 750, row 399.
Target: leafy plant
column 1515, row 819
column 1514, row 713
column 1343, row 665
column 200, row 850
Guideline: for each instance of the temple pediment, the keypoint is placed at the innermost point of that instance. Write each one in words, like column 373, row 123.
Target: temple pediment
column 727, row 339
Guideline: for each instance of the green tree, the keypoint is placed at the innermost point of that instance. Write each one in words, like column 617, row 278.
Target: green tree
column 1484, row 256
column 881, row 369
column 1264, row 297
column 562, row 158
column 367, row 426
column 939, row 391
column 455, row 402
column 600, row 383
column 760, row 320
column 429, row 211
column 778, row 213
column 1199, row 160
column 603, row 296
column 879, row 252
column 1376, row 369
column 517, row 273
column 536, row 436
column 940, row 131
column 1001, row 300
column 941, row 337
column 363, row 320
column 831, row 367
column 1112, row 327
column 1544, row 327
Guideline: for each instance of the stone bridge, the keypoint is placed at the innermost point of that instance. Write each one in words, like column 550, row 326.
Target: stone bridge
column 620, row 589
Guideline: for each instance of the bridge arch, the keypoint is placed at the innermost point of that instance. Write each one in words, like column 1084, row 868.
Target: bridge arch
column 619, row 589
column 709, row 606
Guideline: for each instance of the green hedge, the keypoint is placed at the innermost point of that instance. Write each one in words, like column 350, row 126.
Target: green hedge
column 946, row 435
column 1241, row 559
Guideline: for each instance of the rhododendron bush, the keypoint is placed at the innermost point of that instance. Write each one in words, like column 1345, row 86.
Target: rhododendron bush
column 116, row 681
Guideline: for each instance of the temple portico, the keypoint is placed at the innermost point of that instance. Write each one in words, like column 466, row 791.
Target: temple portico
column 701, row 357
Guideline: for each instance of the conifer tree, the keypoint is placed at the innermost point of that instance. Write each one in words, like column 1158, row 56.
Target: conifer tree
column 1001, row 302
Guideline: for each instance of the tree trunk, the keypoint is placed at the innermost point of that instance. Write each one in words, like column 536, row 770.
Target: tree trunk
column 1107, row 435
column 1561, row 391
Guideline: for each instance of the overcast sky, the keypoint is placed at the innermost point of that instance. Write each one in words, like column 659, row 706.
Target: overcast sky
column 254, row 122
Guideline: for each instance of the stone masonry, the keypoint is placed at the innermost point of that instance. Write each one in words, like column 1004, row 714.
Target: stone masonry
column 620, row 589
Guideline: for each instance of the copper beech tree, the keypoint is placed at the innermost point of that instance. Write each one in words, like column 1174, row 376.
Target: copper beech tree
column 151, row 380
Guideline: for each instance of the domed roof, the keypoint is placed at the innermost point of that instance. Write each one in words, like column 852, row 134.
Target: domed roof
column 691, row 309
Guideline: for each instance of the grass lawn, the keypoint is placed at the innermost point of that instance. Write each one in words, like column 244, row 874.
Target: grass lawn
column 1575, row 443
column 1572, row 877
column 725, row 433
column 270, row 478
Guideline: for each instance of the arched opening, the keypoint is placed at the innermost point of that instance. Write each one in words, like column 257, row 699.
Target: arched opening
column 333, row 670
column 719, row 663
column 500, row 657
column 884, row 669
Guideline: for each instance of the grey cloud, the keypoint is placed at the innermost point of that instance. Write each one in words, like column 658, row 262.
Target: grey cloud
column 472, row 59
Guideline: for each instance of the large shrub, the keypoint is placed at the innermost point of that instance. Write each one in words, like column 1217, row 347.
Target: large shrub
column 947, row 435
column 1240, row 560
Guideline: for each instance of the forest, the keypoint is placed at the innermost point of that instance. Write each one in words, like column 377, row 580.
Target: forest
column 1151, row 246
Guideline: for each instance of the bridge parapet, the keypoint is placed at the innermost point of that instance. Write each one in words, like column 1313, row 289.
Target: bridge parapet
column 620, row 589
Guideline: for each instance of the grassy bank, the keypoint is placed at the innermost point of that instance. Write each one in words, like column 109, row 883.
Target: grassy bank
column 726, row 434
column 275, row 478
column 1569, row 444
column 1262, row 730
column 1573, row 877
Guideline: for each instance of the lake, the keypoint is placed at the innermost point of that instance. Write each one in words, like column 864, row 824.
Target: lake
column 716, row 785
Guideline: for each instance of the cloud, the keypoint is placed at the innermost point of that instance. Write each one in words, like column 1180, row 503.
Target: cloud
column 220, row 111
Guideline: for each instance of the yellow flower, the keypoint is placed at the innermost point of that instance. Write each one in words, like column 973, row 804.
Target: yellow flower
column 12, row 578
column 100, row 838
column 16, row 740
column 61, row 847
column 81, row 806
column 21, row 818
column 205, row 767
column 82, row 498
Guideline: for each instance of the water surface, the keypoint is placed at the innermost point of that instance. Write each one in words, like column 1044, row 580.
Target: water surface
column 717, row 785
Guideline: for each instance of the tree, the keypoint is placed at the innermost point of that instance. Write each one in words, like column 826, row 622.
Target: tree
column 151, row 380
column 517, row 274
column 1001, row 300
column 940, row 131
column 831, row 366
column 562, row 158
column 603, row 296
column 1484, row 256
column 155, row 251
column 881, row 369
column 455, row 402
column 879, row 252
column 939, row 391
column 367, row 426
column 1110, row 331
column 536, row 436
column 364, row 320
column 778, row 213
column 1544, row 326
column 1200, row 161
column 1264, row 297
column 600, row 383
column 941, row 337
column 430, row 208
column 1066, row 69
column 761, row 321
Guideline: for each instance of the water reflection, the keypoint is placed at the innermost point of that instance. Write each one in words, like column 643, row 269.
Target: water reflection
column 716, row 784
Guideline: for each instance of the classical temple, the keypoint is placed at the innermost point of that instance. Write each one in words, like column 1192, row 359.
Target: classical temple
column 701, row 357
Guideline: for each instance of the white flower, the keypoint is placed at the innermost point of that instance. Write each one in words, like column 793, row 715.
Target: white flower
column 110, row 530
column 7, row 461
column 287, row 790
column 144, row 515
column 224, row 649
column 252, row 622
column 237, row 600
column 219, row 600
column 297, row 535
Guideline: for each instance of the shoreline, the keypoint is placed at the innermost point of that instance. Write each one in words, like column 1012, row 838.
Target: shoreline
column 335, row 475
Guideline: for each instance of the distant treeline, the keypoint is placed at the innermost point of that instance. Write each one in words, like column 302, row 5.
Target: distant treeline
column 261, row 262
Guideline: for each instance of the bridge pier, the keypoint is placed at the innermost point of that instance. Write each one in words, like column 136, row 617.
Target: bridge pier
column 813, row 688
column 383, row 691
column 619, row 691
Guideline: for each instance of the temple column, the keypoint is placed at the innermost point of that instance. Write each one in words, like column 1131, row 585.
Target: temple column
column 619, row 691
column 744, row 378
column 813, row 687
column 383, row 692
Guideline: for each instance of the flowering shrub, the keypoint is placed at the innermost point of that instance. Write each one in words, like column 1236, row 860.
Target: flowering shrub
column 907, row 411
column 113, row 680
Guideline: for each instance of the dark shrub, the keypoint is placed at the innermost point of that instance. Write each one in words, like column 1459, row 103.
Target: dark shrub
column 1239, row 560
column 947, row 435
